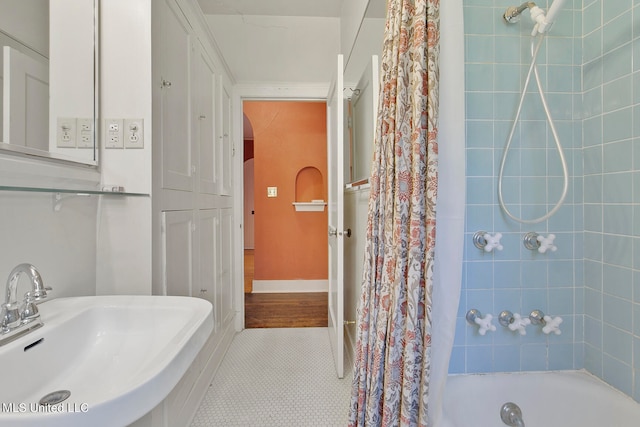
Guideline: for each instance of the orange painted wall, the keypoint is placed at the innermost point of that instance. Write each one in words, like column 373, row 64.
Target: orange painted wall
column 288, row 136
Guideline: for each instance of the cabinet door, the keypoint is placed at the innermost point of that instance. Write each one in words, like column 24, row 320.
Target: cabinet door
column 225, row 269
column 26, row 103
column 203, row 117
column 177, row 172
column 225, row 147
column 208, row 235
column 177, row 252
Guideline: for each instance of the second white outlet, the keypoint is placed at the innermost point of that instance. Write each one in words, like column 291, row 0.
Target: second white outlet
column 133, row 133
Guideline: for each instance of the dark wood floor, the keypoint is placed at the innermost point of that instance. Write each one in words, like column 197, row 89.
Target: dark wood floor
column 291, row 310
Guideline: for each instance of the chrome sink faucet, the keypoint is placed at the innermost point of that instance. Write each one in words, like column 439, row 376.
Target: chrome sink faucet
column 19, row 318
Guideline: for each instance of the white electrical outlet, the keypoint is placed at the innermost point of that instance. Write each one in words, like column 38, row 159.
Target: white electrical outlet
column 133, row 133
column 85, row 133
column 113, row 135
column 66, row 133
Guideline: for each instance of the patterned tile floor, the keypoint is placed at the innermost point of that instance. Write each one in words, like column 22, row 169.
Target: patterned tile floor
column 276, row 378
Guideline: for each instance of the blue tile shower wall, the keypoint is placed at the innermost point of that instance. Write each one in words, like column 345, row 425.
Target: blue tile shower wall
column 611, row 89
column 590, row 68
column 497, row 57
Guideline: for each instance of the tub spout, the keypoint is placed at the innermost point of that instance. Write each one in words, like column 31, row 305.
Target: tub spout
column 511, row 415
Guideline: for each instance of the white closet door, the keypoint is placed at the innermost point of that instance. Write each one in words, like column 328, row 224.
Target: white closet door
column 208, row 230
column 177, row 252
column 176, row 145
column 25, row 113
column 225, row 269
column 225, row 147
column 203, row 119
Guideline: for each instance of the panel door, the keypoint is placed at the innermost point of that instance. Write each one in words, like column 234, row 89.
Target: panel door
column 178, row 252
column 203, row 119
column 225, row 269
column 335, row 204
column 208, row 236
column 177, row 152
column 225, row 147
column 25, row 115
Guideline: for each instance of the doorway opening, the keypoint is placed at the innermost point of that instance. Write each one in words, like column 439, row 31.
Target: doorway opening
column 285, row 250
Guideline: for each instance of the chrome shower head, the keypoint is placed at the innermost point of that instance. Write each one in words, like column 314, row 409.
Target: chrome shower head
column 512, row 14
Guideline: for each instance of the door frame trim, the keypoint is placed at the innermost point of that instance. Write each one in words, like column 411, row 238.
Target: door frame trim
column 240, row 93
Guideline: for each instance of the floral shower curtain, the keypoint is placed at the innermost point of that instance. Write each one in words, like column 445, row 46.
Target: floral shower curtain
column 392, row 360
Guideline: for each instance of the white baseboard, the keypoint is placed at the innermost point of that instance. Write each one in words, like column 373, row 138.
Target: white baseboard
column 286, row 286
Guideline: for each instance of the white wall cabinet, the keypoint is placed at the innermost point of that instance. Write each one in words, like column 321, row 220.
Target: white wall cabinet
column 203, row 117
column 225, row 148
column 192, row 165
column 192, row 200
column 207, row 282
column 225, row 270
column 172, row 46
column 178, row 229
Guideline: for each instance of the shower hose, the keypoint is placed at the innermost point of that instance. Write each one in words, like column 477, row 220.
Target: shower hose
column 535, row 49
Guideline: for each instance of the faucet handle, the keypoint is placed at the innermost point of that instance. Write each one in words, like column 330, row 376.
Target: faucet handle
column 29, row 309
column 37, row 295
column 10, row 316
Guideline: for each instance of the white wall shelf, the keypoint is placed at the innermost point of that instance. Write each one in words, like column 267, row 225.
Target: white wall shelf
column 310, row 206
column 71, row 191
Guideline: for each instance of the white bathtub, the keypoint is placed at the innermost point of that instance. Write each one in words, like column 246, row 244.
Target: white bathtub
column 547, row 399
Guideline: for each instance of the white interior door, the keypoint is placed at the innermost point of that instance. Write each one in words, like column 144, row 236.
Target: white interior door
column 26, row 100
column 249, row 207
column 335, row 168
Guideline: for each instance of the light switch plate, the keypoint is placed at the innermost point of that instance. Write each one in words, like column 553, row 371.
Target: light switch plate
column 272, row 191
column 66, row 133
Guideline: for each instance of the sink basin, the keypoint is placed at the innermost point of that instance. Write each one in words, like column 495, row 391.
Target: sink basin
column 118, row 356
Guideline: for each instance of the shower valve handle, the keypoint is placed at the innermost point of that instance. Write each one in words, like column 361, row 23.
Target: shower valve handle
column 546, row 243
column 514, row 321
column 486, row 241
column 474, row 317
column 485, row 324
column 549, row 324
column 552, row 325
column 536, row 242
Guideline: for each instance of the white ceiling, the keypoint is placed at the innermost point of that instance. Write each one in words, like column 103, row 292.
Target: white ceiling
column 317, row 8
column 279, row 42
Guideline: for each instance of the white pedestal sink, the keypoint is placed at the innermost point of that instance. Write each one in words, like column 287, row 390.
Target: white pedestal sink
column 118, row 356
